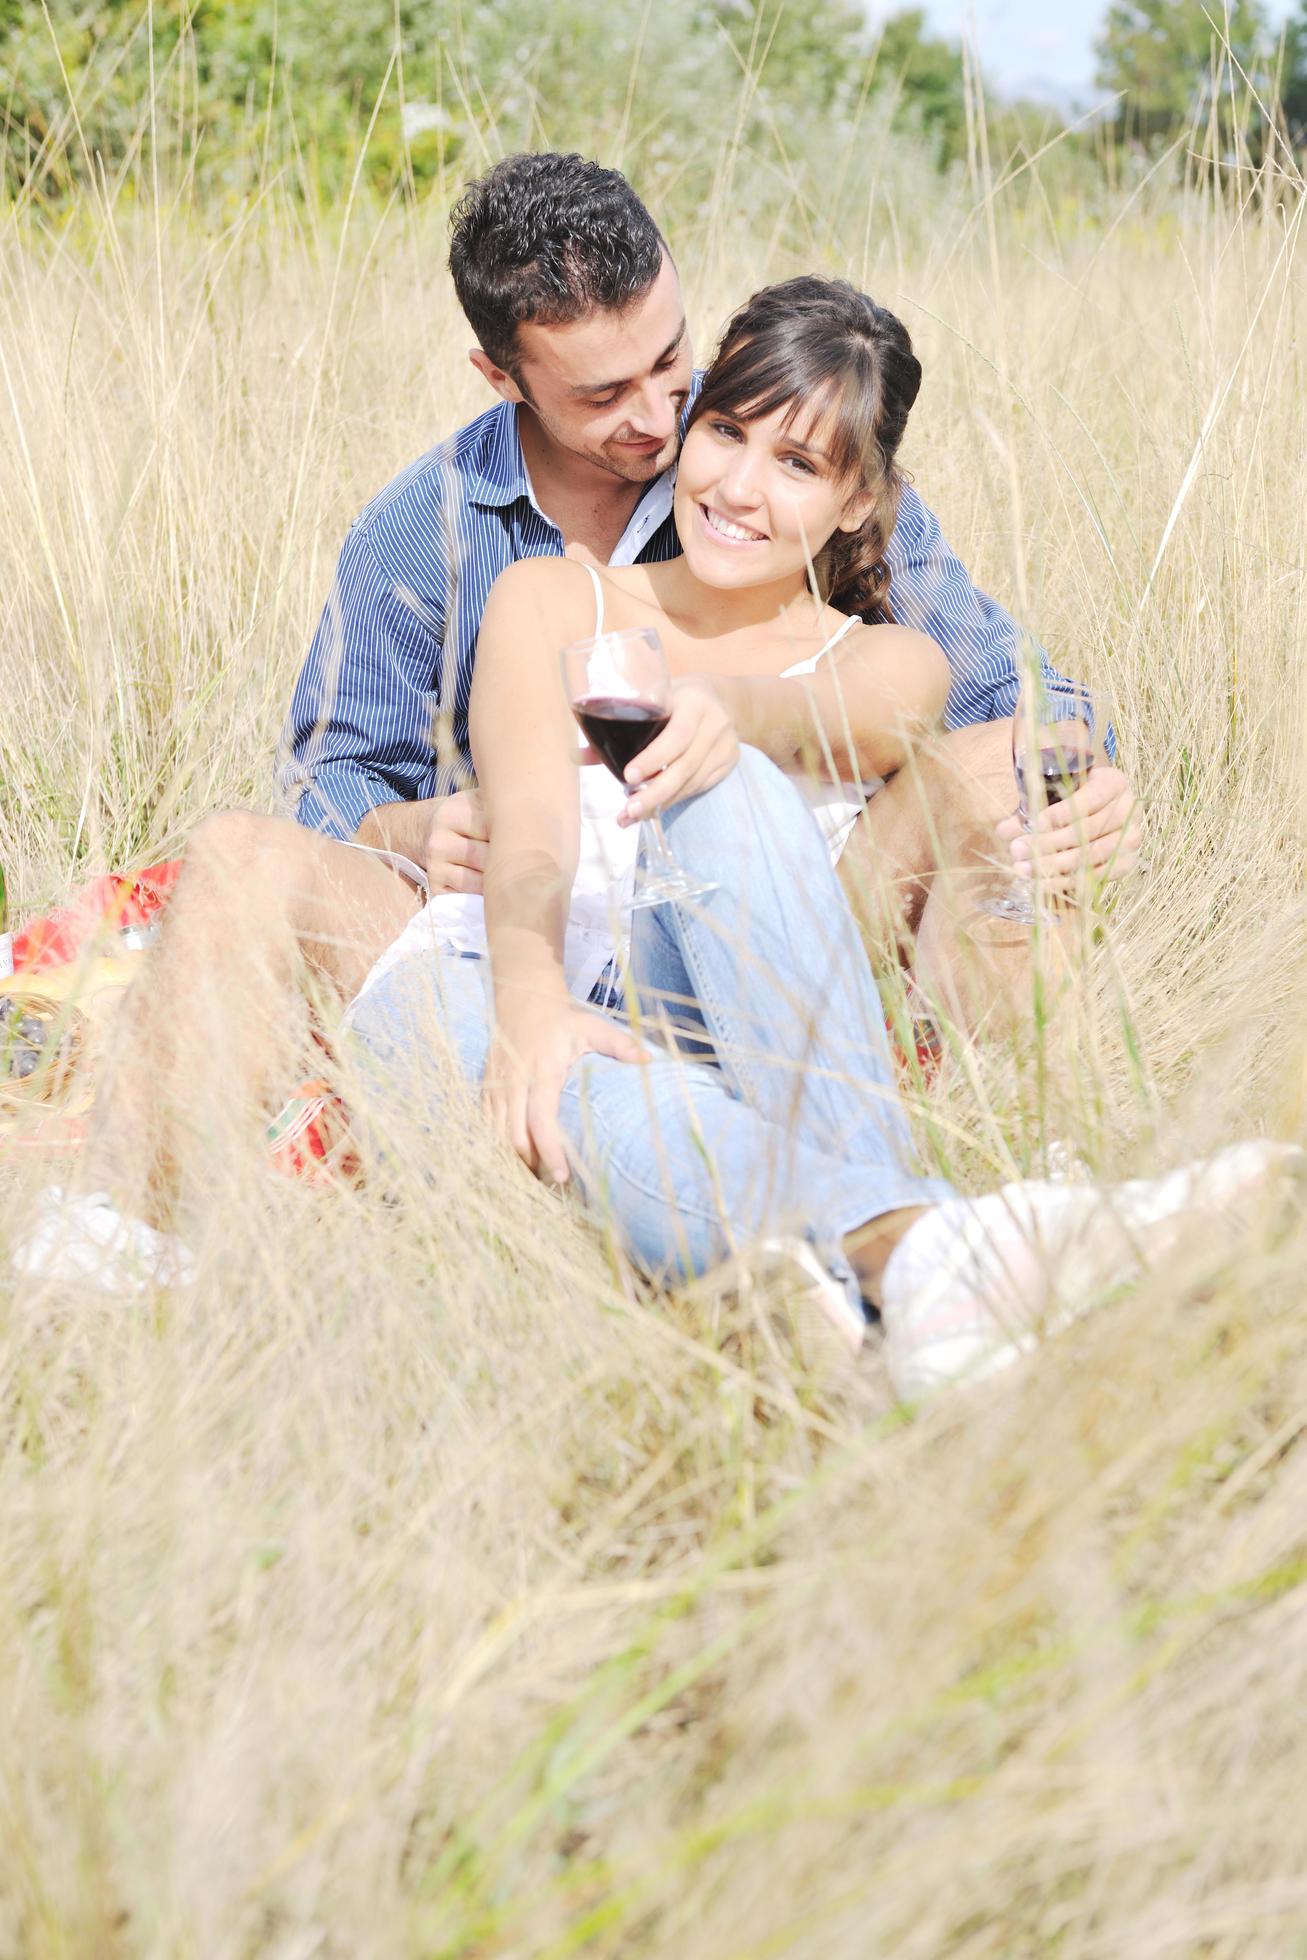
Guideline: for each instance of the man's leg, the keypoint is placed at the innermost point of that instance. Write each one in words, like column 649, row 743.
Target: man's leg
column 218, row 1008
column 919, row 868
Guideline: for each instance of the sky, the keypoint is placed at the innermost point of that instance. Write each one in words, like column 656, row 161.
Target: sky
column 1049, row 40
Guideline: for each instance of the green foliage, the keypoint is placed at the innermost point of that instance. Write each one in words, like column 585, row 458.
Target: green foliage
column 1165, row 58
column 1293, row 83
column 660, row 86
column 927, row 72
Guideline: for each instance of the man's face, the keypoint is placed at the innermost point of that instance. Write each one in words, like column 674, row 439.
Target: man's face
column 610, row 388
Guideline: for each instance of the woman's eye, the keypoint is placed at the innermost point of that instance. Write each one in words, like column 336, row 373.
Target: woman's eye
column 727, row 429
column 801, row 464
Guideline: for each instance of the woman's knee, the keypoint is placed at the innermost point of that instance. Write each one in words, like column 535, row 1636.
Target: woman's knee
column 758, row 779
column 756, row 795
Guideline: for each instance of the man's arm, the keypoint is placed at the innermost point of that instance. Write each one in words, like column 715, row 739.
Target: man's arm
column 931, row 589
column 446, row 835
column 362, row 717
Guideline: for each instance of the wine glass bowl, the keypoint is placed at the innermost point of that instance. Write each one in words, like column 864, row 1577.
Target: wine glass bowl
column 619, row 688
column 1056, row 732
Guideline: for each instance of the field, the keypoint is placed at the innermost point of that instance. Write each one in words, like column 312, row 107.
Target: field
column 421, row 1584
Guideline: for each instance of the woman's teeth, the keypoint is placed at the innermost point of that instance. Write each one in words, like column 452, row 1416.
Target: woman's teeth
column 723, row 525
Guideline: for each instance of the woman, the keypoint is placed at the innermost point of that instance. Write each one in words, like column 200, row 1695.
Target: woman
column 766, row 1113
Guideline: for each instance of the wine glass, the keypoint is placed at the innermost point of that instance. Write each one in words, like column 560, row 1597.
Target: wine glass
column 1056, row 731
column 620, row 691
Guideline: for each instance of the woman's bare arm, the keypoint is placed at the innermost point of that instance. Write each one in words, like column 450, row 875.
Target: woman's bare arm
column 524, row 746
column 865, row 704
column 523, row 743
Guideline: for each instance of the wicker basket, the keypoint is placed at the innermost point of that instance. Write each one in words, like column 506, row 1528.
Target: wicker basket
column 42, row 1042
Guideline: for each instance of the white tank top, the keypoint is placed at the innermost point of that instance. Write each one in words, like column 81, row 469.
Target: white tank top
column 600, row 914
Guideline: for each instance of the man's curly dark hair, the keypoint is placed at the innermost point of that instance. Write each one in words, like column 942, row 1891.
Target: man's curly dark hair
column 548, row 238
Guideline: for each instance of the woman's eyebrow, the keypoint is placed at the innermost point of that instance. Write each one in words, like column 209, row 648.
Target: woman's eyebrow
column 808, row 448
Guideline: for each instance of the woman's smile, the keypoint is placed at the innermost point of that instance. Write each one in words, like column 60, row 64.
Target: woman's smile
column 727, row 530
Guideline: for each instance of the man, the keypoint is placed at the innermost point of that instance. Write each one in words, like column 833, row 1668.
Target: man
column 581, row 334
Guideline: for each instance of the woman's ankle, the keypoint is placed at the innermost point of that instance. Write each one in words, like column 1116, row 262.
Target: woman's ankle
column 868, row 1247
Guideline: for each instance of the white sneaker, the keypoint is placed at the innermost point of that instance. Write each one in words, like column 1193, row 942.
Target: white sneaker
column 81, row 1239
column 977, row 1282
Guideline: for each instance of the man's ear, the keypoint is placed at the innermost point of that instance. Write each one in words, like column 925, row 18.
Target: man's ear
column 499, row 378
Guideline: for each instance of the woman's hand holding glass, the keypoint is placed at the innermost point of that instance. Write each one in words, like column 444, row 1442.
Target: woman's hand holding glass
column 697, row 748
column 623, row 696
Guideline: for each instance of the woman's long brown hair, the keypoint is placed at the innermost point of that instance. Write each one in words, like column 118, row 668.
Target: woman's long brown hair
column 820, row 342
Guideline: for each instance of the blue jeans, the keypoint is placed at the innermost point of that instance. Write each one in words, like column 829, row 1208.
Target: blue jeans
column 769, row 1104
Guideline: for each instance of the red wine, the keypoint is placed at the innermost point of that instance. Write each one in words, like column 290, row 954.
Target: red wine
column 619, row 727
column 1061, row 770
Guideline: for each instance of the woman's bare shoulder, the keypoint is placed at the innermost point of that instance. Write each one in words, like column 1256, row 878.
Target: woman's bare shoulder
column 535, row 597
column 541, row 578
column 886, row 636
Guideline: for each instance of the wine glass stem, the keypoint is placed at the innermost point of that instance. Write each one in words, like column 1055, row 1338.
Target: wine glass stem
column 657, row 851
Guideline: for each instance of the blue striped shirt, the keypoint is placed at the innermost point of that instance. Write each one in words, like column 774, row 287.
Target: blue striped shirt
column 379, row 712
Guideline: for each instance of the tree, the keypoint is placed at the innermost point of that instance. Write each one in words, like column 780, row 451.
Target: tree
column 667, row 89
column 1293, row 81
column 1161, row 55
column 927, row 72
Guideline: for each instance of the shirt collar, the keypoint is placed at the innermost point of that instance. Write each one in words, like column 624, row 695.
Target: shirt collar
column 653, row 510
column 503, row 479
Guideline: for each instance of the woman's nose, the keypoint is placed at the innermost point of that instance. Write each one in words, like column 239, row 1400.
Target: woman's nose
column 739, row 483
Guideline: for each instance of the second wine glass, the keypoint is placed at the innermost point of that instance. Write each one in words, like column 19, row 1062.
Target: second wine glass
column 620, row 690
column 1056, row 731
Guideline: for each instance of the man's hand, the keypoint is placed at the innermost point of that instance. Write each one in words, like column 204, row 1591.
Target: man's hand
column 1097, row 831
column 446, row 835
column 530, row 1057
column 456, row 843
column 696, row 749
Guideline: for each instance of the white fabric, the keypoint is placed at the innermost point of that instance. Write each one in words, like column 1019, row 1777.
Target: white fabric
column 836, row 806
column 653, row 509
column 599, row 919
column 977, row 1282
column 80, row 1239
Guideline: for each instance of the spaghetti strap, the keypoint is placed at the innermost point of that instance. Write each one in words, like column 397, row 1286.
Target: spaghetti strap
column 599, row 600
column 839, row 633
column 810, row 665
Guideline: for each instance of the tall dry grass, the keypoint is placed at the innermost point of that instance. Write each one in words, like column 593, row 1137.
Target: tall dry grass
column 421, row 1584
